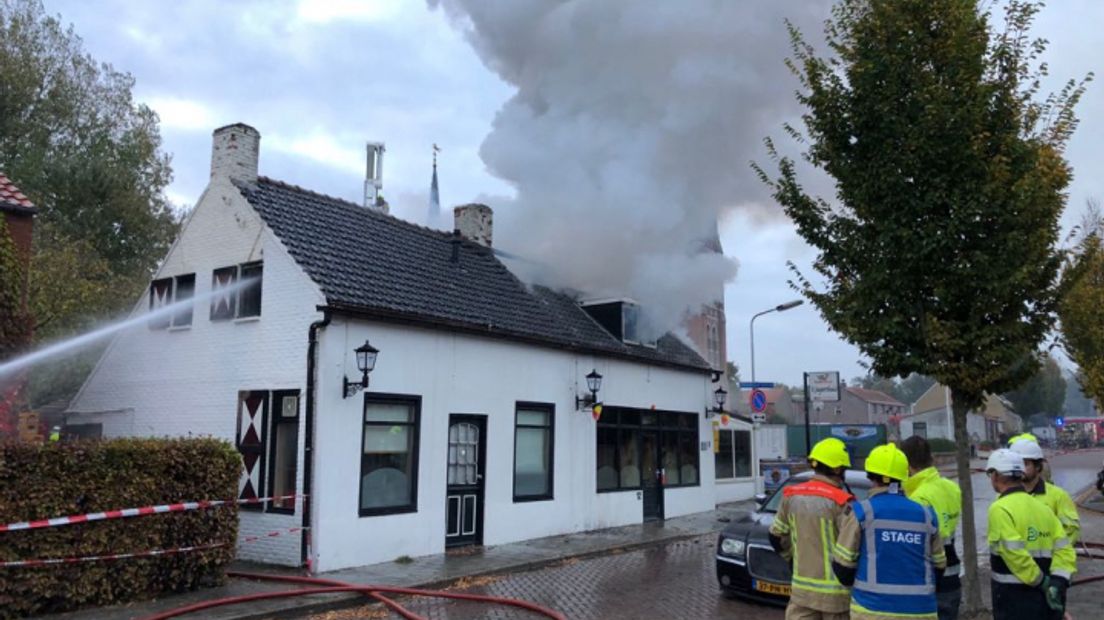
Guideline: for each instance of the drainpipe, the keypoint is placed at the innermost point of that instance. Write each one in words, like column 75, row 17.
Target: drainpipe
column 308, row 439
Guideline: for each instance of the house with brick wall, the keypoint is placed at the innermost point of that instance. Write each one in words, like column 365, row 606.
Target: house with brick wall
column 473, row 426
column 17, row 214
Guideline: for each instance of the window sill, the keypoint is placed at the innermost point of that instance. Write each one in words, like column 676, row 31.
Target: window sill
column 382, row 512
column 247, row 319
column 535, row 498
column 734, row 480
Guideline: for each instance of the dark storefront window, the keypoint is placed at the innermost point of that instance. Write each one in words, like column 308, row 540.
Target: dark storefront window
column 618, row 447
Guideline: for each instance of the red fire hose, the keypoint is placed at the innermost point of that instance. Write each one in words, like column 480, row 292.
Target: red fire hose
column 328, row 586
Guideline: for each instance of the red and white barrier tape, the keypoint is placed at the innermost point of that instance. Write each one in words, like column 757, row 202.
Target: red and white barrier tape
column 143, row 554
column 135, row 512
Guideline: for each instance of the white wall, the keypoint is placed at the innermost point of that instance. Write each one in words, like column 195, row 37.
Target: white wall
column 464, row 374
column 185, row 381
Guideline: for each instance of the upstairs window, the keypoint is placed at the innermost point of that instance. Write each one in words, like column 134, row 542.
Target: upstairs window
column 633, row 331
column 166, row 292
column 230, row 301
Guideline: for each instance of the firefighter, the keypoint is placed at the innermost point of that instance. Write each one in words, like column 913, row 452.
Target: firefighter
column 1031, row 558
column 927, row 487
column 1054, row 496
column 805, row 529
column 889, row 549
column 55, row 434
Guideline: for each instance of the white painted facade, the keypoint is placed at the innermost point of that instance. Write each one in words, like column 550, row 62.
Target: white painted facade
column 186, row 381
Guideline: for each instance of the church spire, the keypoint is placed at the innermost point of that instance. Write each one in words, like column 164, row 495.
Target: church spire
column 434, row 193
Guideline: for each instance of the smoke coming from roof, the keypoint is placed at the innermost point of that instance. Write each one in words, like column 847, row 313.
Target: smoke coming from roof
column 630, row 133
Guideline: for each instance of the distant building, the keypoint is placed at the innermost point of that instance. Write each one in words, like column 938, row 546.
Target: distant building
column 932, row 416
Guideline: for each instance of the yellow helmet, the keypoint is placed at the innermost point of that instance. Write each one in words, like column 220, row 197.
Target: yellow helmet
column 888, row 461
column 831, row 452
column 1022, row 437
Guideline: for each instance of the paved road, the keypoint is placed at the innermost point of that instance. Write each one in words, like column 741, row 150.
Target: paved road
column 672, row 581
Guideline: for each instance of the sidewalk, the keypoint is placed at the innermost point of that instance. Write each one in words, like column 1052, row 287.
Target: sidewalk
column 435, row 571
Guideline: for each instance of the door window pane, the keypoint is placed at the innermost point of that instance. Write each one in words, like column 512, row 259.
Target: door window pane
column 629, row 453
column 285, row 450
column 607, row 459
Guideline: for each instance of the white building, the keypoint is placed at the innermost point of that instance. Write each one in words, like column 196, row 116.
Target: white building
column 470, row 431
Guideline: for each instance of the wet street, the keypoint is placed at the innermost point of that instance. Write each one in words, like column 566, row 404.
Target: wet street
column 672, row 581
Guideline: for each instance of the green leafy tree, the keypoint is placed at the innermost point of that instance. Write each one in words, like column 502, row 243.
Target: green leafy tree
column 1081, row 311
column 90, row 158
column 15, row 326
column 938, row 255
column 1044, row 392
column 1077, row 402
column 912, row 387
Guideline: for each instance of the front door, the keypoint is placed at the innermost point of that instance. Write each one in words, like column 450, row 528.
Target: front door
column 651, row 476
column 467, row 449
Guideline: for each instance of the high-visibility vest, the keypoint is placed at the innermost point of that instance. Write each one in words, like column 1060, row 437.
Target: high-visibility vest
column 1060, row 503
column 899, row 550
column 1026, row 542
column 944, row 497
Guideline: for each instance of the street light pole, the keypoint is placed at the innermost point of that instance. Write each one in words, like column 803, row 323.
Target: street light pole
column 779, row 308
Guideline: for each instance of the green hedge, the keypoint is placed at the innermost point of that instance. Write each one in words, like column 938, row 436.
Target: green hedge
column 57, row 479
column 939, row 445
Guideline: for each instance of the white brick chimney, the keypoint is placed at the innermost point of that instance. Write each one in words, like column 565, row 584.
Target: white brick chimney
column 475, row 223
column 234, row 152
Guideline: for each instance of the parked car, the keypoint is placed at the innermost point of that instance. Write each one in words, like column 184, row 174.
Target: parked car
column 747, row 565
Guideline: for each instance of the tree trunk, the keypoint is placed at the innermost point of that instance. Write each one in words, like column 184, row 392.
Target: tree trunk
column 971, row 589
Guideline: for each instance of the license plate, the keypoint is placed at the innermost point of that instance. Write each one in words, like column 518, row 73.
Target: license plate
column 772, row 588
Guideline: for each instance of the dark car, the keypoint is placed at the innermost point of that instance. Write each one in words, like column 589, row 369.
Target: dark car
column 747, row 565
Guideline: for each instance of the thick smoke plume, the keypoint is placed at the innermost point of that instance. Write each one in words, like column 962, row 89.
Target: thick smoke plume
column 630, row 134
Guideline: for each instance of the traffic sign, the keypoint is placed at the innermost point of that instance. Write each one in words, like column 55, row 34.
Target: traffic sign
column 758, row 401
column 759, row 418
column 748, row 385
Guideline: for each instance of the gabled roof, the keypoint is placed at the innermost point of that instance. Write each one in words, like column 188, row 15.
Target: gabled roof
column 11, row 199
column 875, row 396
column 374, row 265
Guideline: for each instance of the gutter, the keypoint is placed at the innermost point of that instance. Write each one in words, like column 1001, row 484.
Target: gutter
column 308, row 438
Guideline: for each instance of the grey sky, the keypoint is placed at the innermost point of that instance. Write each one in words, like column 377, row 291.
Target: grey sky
column 318, row 79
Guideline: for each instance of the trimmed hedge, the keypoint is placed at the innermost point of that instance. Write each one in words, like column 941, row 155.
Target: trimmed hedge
column 57, row 479
column 940, row 445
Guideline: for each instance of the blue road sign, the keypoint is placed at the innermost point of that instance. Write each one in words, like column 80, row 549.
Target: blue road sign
column 749, row 385
column 758, row 401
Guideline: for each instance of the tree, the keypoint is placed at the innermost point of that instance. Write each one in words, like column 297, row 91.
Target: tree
column 939, row 253
column 15, row 325
column 912, row 387
column 1044, row 392
column 89, row 157
column 1081, row 311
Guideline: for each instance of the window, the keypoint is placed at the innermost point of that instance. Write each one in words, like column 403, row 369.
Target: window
column 632, row 330
column 920, row 429
column 283, row 456
column 166, row 292
column 619, row 447
column 228, row 301
column 533, row 435
column 389, row 459
column 268, row 440
column 732, row 454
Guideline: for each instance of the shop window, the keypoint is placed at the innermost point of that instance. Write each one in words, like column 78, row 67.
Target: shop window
column 389, row 461
column 732, row 454
column 533, row 445
column 619, row 444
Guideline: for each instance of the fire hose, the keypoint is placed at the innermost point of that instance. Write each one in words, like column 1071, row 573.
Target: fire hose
column 329, row 586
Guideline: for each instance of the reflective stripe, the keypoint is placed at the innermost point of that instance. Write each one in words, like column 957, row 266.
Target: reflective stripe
column 1061, row 543
column 845, row 553
column 816, row 585
column 859, row 609
column 953, row 571
column 907, row 526
column 1011, row 544
column 890, row 588
column 1039, row 553
column 871, row 543
column 1065, row 574
column 1006, row 578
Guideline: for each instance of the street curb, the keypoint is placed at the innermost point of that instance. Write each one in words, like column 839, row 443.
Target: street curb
column 356, row 600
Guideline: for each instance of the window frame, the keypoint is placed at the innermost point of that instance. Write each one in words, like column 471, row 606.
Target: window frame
column 732, row 454
column 275, row 419
column 259, row 265
column 382, row 398
column 173, row 289
column 664, row 422
column 235, row 312
column 550, row 409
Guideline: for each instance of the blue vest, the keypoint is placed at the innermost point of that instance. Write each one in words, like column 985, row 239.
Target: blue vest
column 895, row 573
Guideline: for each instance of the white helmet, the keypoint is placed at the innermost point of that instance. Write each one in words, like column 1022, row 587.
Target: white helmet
column 1005, row 461
column 1027, row 449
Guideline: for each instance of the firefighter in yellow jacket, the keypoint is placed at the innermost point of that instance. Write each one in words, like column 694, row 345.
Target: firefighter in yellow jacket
column 804, row 532
column 1031, row 558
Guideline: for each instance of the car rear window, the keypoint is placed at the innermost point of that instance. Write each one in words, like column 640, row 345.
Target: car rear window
column 776, row 500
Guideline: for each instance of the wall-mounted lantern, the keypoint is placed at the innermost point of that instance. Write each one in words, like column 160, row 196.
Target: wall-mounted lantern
column 594, row 384
column 719, row 396
column 366, row 362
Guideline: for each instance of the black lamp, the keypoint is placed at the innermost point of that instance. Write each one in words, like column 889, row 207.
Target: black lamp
column 366, row 362
column 719, row 396
column 594, row 384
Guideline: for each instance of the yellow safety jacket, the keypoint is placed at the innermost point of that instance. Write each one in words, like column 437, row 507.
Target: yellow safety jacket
column 1026, row 542
column 945, row 499
column 807, row 523
column 1060, row 503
